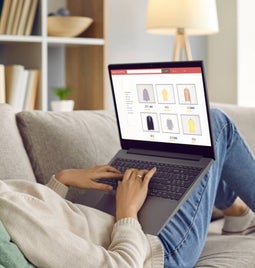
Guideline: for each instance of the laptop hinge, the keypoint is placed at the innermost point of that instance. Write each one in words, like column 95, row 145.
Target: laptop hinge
column 164, row 154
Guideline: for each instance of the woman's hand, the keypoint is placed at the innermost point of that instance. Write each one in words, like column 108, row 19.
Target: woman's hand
column 87, row 178
column 131, row 192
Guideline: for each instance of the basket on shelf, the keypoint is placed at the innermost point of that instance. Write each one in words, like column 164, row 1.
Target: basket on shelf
column 68, row 26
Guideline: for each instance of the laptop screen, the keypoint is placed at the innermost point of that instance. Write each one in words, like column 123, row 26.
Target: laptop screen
column 162, row 103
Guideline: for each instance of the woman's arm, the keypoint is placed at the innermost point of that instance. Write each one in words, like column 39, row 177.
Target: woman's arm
column 131, row 191
column 70, row 235
column 129, row 245
column 88, row 178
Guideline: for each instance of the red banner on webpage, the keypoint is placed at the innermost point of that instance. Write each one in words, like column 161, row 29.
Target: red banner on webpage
column 186, row 70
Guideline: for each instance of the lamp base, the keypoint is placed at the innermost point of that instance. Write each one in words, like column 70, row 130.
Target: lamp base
column 181, row 43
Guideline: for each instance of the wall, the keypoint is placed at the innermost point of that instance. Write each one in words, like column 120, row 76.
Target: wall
column 127, row 40
column 231, row 54
column 246, row 54
column 222, row 61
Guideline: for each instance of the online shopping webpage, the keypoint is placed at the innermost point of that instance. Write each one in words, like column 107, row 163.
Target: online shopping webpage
column 164, row 105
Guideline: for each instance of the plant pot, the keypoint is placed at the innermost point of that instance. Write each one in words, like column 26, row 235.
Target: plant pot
column 62, row 105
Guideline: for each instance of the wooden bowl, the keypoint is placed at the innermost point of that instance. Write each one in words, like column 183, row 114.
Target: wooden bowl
column 67, row 26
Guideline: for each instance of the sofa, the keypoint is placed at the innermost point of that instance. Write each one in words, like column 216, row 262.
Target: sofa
column 37, row 144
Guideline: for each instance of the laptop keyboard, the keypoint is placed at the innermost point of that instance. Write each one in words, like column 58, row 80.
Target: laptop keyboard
column 169, row 181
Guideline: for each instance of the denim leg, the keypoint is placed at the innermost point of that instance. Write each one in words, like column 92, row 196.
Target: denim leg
column 238, row 175
column 225, row 196
column 233, row 171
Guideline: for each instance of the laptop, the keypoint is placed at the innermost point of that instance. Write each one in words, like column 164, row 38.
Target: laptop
column 163, row 119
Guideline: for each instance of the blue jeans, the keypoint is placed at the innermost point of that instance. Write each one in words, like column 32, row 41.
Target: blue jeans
column 232, row 174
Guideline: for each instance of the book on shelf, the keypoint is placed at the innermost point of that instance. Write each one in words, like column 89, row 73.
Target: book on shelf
column 31, row 17
column 13, row 80
column 11, row 16
column 4, row 15
column 21, row 87
column 38, row 101
column 31, row 89
column 2, row 84
column 24, row 17
column 17, row 16
column 22, row 90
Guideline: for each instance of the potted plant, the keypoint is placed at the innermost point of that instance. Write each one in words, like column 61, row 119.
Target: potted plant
column 62, row 104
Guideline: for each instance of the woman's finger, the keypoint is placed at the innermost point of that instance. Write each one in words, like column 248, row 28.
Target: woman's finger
column 102, row 187
column 129, row 173
column 149, row 175
column 108, row 168
column 141, row 173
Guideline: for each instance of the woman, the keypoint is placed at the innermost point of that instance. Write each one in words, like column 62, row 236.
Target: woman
column 53, row 232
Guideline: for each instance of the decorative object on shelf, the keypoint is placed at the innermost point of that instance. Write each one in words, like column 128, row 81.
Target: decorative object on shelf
column 68, row 26
column 182, row 18
column 63, row 11
column 63, row 104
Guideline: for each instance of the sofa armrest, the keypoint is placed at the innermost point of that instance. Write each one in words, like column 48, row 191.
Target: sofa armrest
column 14, row 161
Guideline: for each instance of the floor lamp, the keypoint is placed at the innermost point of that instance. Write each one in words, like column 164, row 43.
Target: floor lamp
column 182, row 18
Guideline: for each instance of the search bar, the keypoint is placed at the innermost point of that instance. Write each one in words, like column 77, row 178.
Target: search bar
column 144, row 71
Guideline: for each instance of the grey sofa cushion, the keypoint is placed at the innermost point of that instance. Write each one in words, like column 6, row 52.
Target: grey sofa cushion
column 13, row 158
column 78, row 139
column 228, row 252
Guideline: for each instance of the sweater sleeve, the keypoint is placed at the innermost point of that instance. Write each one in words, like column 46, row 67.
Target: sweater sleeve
column 57, row 186
column 128, row 245
column 70, row 235
column 125, row 249
column 58, row 245
column 133, row 247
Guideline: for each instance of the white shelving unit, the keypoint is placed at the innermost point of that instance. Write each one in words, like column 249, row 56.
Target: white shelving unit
column 38, row 50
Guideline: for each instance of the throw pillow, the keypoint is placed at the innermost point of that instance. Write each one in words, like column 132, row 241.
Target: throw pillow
column 10, row 254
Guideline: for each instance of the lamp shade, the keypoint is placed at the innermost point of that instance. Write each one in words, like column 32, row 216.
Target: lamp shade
column 196, row 17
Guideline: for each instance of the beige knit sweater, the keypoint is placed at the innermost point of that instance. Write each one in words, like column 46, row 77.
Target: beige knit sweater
column 53, row 232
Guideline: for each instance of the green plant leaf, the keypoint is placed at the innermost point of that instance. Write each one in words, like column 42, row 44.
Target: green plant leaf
column 62, row 92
